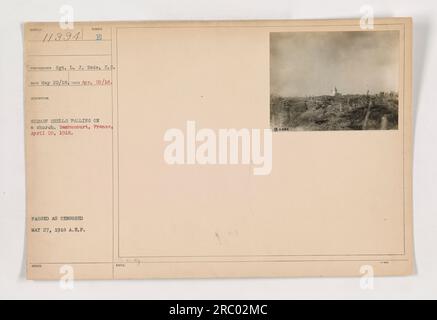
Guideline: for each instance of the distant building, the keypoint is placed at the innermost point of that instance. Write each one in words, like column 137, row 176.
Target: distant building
column 335, row 92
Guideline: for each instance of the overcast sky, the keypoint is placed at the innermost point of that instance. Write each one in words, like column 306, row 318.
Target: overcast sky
column 312, row 63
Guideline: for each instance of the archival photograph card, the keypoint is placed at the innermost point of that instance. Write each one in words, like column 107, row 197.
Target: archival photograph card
column 218, row 149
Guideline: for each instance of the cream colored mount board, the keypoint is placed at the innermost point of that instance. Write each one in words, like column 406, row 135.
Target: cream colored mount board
column 218, row 149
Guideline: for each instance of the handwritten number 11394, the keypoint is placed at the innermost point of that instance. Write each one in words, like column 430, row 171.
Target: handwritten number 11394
column 61, row 36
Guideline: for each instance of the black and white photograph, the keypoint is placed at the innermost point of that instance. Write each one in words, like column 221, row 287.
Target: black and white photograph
column 323, row 81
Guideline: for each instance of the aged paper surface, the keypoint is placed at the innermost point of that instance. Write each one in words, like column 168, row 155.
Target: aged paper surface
column 105, row 101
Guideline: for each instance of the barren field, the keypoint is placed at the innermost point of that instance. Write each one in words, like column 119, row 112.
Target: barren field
column 343, row 112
